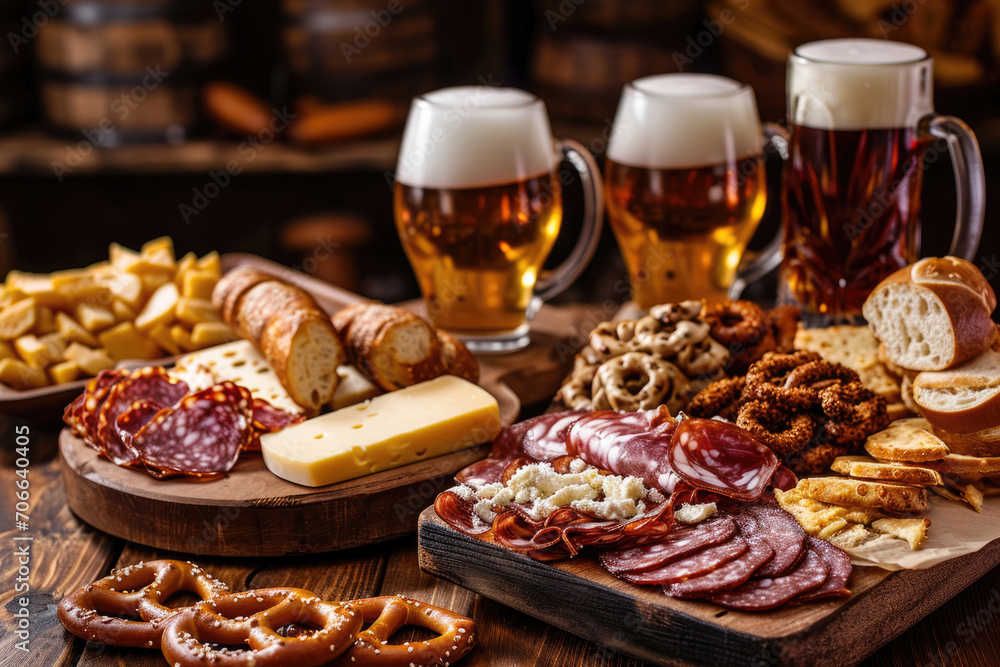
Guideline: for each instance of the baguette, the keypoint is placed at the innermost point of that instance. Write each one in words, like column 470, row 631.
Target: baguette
column 933, row 314
column 963, row 399
column 290, row 330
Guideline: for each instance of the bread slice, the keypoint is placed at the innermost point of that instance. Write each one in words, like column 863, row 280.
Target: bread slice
column 963, row 399
column 913, row 531
column 863, row 467
column 933, row 314
column 978, row 443
column 906, row 441
column 304, row 352
column 457, row 358
column 887, row 496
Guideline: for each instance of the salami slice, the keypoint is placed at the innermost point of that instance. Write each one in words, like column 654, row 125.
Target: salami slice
column 458, row 513
column 672, row 547
column 481, row 473
column 732, row 574
column 783, row 533
column 95, row 394
column 839, row 563
column 132, row 420
column 150, row 383
column 541, row 438
column 771, row 592
column 202, row 435
column 721, row 457
column 697, row 564
column 269, row 419
column 627, row 443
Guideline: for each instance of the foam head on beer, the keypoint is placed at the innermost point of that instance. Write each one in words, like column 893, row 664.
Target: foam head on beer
column 475, row 136
column 853, row 84
column 676, row 121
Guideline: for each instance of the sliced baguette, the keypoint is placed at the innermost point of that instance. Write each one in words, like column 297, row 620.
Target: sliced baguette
column 887, row 496
column 863, row 467
column 964, row 399
column 933, row 314
column 302, row 348
column 906, row 441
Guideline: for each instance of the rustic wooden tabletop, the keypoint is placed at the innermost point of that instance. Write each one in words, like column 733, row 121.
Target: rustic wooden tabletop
column 65, row 553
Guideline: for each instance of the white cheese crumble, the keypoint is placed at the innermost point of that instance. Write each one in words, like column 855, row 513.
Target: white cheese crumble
column 543, row 490
column 694, row 513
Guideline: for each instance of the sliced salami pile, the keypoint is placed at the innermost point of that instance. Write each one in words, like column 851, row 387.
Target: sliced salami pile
column 147, row 419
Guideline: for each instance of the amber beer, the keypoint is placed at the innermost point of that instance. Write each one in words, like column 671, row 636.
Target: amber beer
column 861, row 119
column 478, row 206
column 685, row 184
column 477, row 251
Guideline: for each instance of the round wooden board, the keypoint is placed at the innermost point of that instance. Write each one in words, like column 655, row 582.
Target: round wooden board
column 251, row 512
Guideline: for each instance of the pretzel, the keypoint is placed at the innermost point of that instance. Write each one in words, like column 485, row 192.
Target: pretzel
column 92, row 612
column 637, row 381
column 387, row 614
column 253, row 618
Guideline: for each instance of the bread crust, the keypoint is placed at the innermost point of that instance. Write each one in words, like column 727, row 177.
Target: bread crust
column 983, row 374
column 278, row 343
column 978, row 443
column 231, row 287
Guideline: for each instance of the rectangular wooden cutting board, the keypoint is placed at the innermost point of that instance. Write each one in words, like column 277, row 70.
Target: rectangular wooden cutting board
column 581, row 597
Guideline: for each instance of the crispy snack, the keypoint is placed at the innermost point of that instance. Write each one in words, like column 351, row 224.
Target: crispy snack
column 94, row 612
column 639, row 381
column 886, row 496
column 913, row 531
column 906, row 440
column 750, row 332
column 864, row 467
column 806, row 409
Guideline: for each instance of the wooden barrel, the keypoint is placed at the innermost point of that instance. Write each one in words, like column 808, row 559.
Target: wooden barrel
column 581, row 77
column 346, row 49
column 125, row 71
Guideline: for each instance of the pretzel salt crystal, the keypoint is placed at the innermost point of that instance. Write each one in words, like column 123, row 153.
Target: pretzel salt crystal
column 140, row 590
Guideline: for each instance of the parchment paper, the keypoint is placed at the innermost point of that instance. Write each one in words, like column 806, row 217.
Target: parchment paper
column 956, row 529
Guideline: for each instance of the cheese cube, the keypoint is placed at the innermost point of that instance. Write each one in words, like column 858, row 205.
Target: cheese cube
column 429, row 419
column 17, row 319
column 94, row 318
column 206, row 334
column 20, row 375
column 66, row 371
column 161, row 336
column 72, row 331
column 353, row 388
column 185, row 264
column 193, row 311
column 159, row 309
column 198, row 285
column 45, row 321
column 93, row 362
column 211, row 264
column 182, row 337
column 124, row 341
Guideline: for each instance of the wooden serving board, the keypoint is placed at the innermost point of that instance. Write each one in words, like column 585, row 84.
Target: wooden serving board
column 581, row 597
column 254, row 513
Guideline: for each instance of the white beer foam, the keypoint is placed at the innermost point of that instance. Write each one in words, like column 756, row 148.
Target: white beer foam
column 675, row 121
column 853, row 84
column 475, row 136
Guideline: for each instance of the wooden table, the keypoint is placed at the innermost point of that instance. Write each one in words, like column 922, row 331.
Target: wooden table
column 66, row 554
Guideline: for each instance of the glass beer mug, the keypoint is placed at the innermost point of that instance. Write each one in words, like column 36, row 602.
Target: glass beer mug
column 478, row 206
column 686, row 186
column 862, row 118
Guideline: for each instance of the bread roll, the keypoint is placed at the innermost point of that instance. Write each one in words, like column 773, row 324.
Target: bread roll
column 290, row 330
column 933, row 314
column 962, row 399
column 396, row 348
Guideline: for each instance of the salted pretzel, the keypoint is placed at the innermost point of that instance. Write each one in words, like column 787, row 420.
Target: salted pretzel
column 387, row 614
column 93, row 612
column 253, row 619
column 638, row 381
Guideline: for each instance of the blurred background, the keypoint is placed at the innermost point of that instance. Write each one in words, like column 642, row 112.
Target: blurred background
column 116, row 125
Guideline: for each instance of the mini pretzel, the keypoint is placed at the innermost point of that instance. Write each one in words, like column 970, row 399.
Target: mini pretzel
column 191, row 638
column 387, row 614
column 637, row 381
column 666, row 340
column 92, row 612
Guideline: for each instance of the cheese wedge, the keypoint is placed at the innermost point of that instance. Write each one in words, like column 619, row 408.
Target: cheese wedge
column 353, row 388
column 238, row 362
column 429, row 419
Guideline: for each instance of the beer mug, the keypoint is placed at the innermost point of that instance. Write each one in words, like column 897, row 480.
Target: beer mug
column 478, row 206
column 686, row 185
column 862, row 120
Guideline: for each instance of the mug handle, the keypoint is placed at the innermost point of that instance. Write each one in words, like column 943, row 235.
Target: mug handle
column 551, row 283
column 758, row 264
column 970, row 180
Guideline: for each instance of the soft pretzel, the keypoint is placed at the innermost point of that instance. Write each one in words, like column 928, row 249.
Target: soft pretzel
column 253, row 619
column 638, row 381
column 387, row 614
column 93, row 612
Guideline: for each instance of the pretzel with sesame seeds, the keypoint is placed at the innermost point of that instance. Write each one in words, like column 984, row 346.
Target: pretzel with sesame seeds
column 93, row 612
column 387, row 614
column 215, row 632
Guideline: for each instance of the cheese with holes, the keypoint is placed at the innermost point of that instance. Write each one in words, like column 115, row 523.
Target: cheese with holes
column 238, row 362
column 429, row 419
column 353, row 388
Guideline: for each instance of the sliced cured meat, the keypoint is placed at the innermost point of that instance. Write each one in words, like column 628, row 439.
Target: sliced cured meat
column 132, row 420
column 627, row 443
column 202, row 435
column 672, row 547
column 783, row 533
column 150, row 383
column 268, row 419
column 771, row 592
column 541, row 438
column 695, row 565
column 721, row 457
column 94, row 395
column 732, row 574
column 481, row 473
column 458, row 513
column 784, row 478
column 839, row 563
